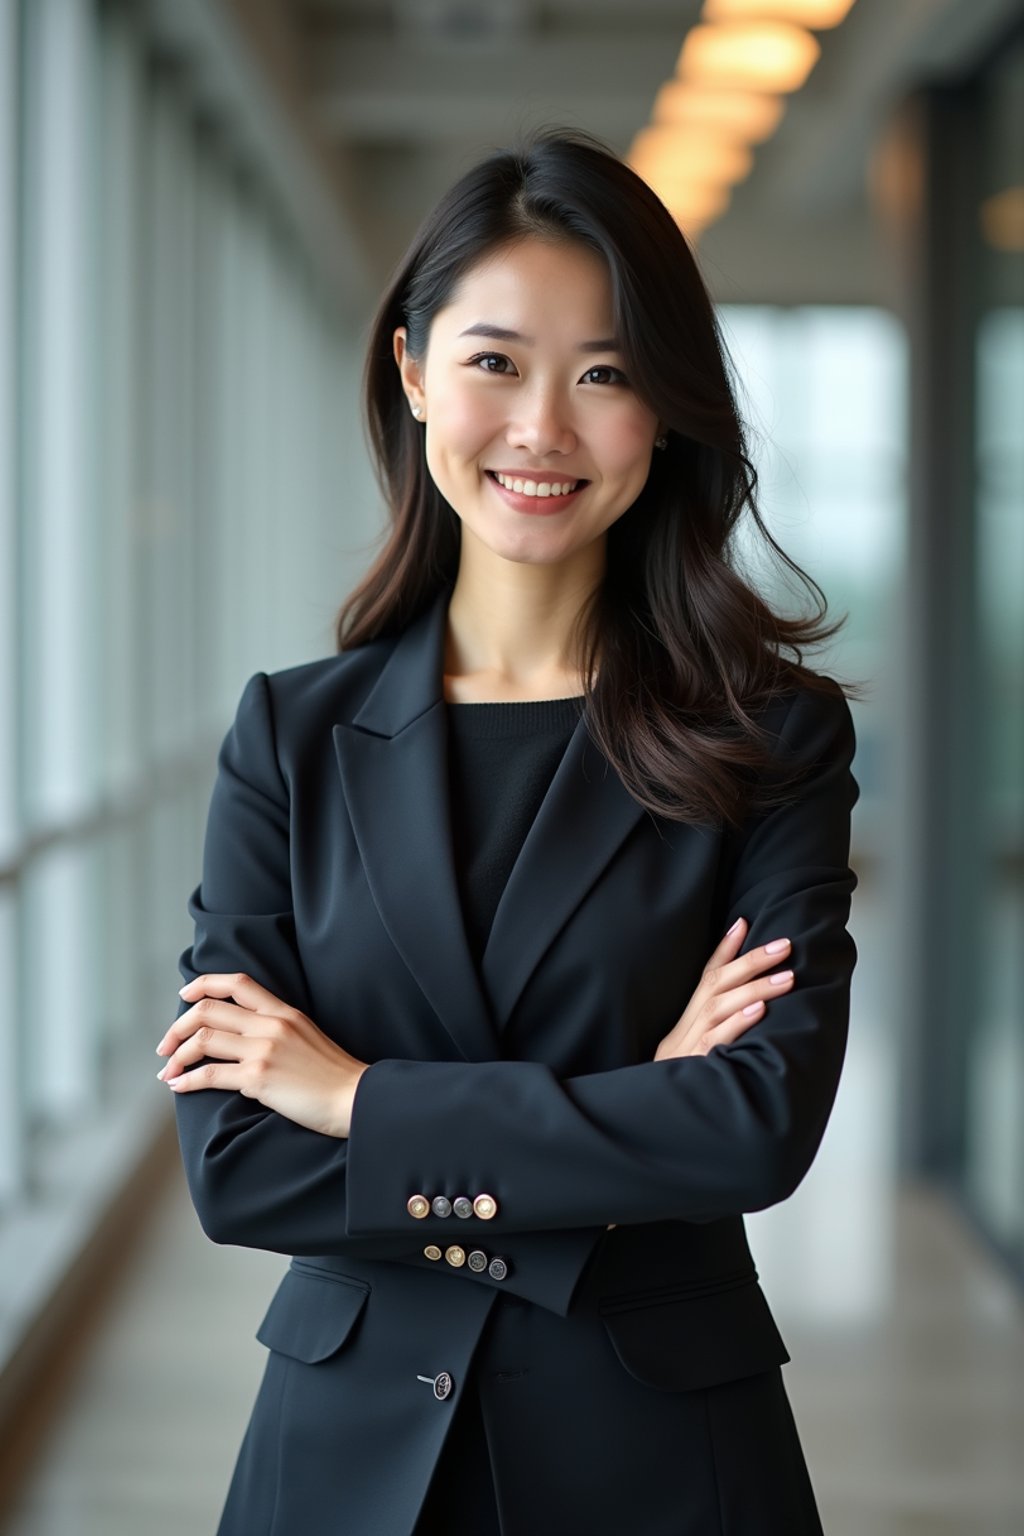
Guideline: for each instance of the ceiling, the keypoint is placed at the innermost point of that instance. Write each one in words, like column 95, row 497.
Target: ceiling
column 408, row 93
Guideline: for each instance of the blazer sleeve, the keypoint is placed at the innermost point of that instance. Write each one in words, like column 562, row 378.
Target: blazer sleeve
column 257, row 1179
column 693, row 1138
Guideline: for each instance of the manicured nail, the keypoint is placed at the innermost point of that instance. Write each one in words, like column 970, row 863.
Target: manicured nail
column 735, row 925
column 780, row 977
column 775, row 946
column 752, row 1008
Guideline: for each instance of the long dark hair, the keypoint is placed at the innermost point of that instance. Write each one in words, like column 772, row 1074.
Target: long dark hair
column 678, row 651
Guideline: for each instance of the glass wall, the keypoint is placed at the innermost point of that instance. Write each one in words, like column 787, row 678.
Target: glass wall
column 177, row 413
column 824, row 391
column 993, row 1174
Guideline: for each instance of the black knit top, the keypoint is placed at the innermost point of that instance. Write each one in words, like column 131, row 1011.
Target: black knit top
column 501, row 759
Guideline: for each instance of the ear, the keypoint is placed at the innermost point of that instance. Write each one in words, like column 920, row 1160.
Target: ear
column 412, row 378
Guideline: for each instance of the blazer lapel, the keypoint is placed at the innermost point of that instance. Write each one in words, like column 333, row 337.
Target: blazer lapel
column 393, row 761
column 583, row 819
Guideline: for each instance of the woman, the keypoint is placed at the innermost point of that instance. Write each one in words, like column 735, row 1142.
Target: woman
column 521, row 967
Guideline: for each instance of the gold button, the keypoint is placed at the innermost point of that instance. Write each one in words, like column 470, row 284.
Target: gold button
column 418, row 1206
column 455, row 1255
column 431, row 1251
column 485, row 1207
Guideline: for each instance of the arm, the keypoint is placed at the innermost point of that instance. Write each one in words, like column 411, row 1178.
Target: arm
column 256, row 1178
column 692, row 1138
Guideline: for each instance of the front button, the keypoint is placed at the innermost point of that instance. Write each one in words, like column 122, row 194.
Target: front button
column 442, row 1384
column 485, row 1207
column 418, row 1206
column 455, row 1255
column 441, row 1205
column 497, row 1268
column 462, row 1206
column 432, row 1251
column 477, row 1261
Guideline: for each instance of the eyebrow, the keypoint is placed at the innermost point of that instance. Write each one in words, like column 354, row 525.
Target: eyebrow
column 498, row 333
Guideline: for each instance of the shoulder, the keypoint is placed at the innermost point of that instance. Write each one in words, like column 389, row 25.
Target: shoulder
column 334, row 685
column 818, row 718
column 299, row 704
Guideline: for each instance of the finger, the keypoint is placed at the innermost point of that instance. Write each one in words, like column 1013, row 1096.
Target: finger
column 224, row 1044
column 225, row 1074
column 775, row 952
column 238, row 985
column 735, row 1025
column 730, row 942
column 206, row 1011
column 725, row 1004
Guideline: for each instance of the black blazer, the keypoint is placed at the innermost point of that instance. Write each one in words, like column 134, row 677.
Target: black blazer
column 328, row 877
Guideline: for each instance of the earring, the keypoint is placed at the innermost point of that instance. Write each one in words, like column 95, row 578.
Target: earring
column 662, row 441
column 416, row 410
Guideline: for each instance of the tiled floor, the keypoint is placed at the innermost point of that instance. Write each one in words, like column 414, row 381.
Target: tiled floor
column 907, row 1376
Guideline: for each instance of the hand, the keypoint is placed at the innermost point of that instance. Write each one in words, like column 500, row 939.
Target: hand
column 715, row 1013
column 265, row 1049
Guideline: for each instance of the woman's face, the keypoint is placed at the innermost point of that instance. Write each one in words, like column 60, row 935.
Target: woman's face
column 549, row 405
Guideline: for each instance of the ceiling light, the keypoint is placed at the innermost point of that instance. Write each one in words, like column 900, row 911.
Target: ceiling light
column 749, row 115
column 819, row 14
column 698, row 154
column 698, row 204
column 767, row 56
column 1002, row 219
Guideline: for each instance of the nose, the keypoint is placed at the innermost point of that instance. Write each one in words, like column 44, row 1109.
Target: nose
column 542, row 424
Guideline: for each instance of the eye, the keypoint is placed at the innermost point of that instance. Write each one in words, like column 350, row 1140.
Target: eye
column 487, row 357
column 607, row 368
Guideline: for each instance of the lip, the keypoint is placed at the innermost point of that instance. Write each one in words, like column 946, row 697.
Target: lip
column 537, row 506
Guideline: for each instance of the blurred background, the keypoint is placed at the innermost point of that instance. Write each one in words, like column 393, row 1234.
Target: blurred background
column 200, row 202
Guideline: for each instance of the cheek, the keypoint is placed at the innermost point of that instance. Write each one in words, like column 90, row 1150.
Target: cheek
column 462, row 421
column 626, row 448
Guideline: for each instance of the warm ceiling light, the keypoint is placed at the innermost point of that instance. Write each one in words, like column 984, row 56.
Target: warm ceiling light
column 698, row 154
column 749, row 115
column 697, row 202
column 765, row 56
column 819, row 14
column 1002, row 219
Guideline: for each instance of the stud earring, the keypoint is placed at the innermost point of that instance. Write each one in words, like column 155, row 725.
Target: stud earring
column 661, row 441
column 416, row 410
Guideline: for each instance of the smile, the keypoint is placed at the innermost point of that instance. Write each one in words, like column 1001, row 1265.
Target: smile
column 537, row 495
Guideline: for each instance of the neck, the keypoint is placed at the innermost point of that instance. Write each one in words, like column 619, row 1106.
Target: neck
column 510, row 622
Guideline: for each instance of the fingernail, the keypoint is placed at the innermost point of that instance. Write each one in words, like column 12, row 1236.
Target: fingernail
column 160, row 1074
column 172, row 1082
column 753, row 1008
column 184, row 989
column 735, row 925
column 775, row 946
column 780, row 977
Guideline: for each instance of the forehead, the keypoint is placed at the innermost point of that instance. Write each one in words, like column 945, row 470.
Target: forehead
column 561, row 285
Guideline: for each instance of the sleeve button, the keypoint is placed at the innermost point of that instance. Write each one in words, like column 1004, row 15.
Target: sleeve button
column 497, row 1268
column 441, row 1205
column 418, row 1206
column 431, row 1251
column 485, row 1207
column 455, row 1255
column 462, row 1206
column 477, row 1261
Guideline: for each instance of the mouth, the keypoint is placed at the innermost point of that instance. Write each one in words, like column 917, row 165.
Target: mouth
column 536, row 495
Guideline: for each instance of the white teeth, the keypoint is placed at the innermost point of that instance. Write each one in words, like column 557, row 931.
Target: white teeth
column 537, row 487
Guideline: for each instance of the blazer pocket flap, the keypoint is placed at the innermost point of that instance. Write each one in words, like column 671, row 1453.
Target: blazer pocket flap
column 311, row 1316
column 685, row 1342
